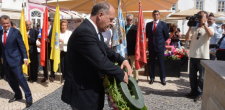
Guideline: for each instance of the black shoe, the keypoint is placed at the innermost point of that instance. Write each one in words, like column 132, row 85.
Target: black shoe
column 190, row 95
column 34, row 80
column 163, row 83
column 44, row 80
column 28, row 104
column 151, row 81
column 15, row 99
column 137, row 81
column 28, row 79
column 198, row 99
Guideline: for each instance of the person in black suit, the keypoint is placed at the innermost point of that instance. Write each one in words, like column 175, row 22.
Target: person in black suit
column 32, row 37
column 14, row 54
column 90, row 59
column 157, row 33
column 48, row 41
column 131, row 33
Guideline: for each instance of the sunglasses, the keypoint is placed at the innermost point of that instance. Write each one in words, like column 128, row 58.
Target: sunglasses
column 129, row 19
column 199, row 34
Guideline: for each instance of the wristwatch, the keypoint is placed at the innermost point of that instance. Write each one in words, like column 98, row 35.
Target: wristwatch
column 203, row 24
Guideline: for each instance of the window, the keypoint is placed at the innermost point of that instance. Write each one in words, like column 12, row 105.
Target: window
column 199, row 4
column 35, row 14
column 221, row 6
column 173, row 8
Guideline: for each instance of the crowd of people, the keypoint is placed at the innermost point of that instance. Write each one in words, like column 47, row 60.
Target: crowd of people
column 86, row 55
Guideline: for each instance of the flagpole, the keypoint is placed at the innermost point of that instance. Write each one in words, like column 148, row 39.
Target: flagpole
column 28, row 53
column 46, row 66
column 59, row 63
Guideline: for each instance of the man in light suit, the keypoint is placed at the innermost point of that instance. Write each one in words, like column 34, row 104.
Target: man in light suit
column 32, row 37
column 90, row 59
column 157, row 33
column 14, row 54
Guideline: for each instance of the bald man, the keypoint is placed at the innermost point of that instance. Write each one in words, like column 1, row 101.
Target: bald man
column 32, row 37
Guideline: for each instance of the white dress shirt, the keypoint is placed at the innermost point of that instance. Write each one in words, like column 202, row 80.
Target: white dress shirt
column 6, row 35
column 49, row 28
column 65, row 37
column 154, row 24
column 96, row 29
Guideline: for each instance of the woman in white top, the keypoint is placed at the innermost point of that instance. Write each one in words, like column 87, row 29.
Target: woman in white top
column 64, row 37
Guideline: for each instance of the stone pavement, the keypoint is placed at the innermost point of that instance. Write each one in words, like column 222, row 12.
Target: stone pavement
column 157, row 97
column 38, row 90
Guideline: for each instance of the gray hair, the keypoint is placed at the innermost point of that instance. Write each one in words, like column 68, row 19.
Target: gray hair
column 5, row 17
column 102, row 6
column 128, row 15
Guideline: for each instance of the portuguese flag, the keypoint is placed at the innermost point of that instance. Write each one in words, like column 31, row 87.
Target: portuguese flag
column 140, row 50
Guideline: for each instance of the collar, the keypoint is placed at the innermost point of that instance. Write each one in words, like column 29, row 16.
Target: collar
column 130, row 25
column 6, row 30
column 156, row 21
column 96, row 29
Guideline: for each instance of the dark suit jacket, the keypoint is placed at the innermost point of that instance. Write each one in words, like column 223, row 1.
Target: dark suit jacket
column 14, row 51
column 88, row 60
column 131, row 39
column 32, row 42
column 157, row 40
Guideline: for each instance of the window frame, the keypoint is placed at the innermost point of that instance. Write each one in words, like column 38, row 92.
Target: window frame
column 201, row 2
column 221, row 6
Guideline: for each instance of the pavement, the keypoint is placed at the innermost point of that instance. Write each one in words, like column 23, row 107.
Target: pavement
column 47, row 96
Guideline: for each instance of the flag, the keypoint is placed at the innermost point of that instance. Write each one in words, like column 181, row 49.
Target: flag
column 23, row 31
column 119, row 37
column 44, row 35
column 55, row 51
column 140, row 50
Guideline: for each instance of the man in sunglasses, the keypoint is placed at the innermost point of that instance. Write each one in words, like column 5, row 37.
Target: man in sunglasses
column 131, row 33
column 199, row 50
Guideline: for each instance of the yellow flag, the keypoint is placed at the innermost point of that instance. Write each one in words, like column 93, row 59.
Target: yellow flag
column 23, row 32
column 55, row 51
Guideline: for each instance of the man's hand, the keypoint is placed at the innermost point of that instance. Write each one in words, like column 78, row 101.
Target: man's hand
column 125, row 79
column 126, row 64
column 28, row 35
column 47, row 40
column 26, row 62
column 60, row 40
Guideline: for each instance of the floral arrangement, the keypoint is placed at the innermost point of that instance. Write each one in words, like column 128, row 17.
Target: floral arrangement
column 115, row 99
column 175, row 53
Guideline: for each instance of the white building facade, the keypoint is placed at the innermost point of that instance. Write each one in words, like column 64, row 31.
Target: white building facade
column 13, row 8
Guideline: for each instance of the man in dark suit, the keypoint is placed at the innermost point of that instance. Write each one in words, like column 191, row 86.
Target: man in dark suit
column 14, row 53
column 131, row 33
column 32, row 37
column 90, row 59
column 157, row 33
column 48, row 41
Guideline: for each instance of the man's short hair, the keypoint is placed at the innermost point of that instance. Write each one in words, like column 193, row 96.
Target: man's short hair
column 204, row 12
column 102, row 6
column 128, row 15
column 155, row 11
column 5, row 17
column 38, row 25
